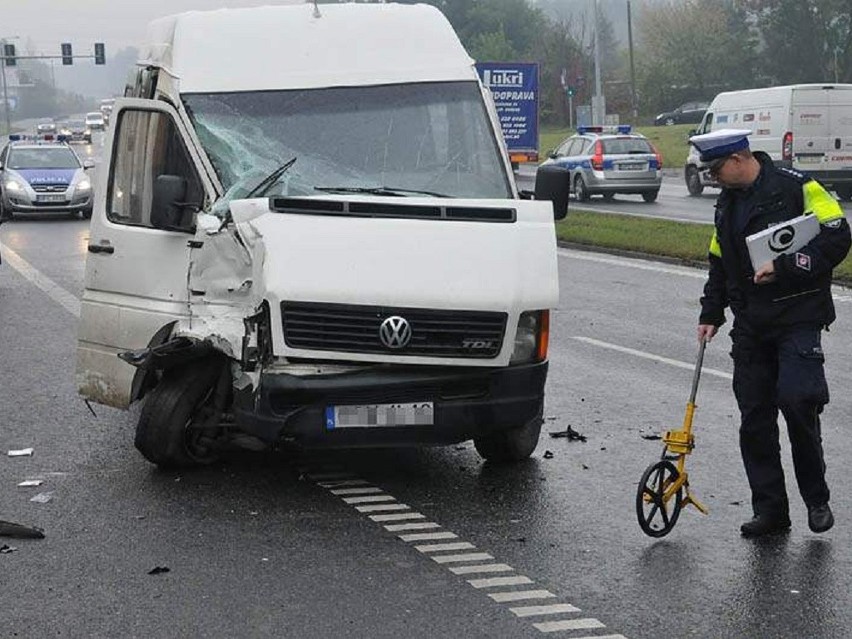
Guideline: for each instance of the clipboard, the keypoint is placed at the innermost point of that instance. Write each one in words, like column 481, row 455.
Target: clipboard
column 781, row 239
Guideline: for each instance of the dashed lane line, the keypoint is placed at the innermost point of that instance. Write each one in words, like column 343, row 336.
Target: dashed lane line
column 460, row 557
column 41, row 281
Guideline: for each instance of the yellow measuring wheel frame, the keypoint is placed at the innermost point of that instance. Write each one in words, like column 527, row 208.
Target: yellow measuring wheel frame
column 664, row 487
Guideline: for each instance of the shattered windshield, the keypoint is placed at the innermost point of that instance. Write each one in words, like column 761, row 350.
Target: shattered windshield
column 407, row 138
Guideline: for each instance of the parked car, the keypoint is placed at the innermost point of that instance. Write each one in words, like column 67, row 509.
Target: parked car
column 43, row 177
column 689, row 113
column 609, row 160
column 95, row 121
column 76, row 131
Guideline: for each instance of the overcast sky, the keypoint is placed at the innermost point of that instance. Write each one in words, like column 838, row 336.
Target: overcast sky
column 117, row 23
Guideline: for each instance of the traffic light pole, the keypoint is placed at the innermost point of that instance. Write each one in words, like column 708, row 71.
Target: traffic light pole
column 5, row 93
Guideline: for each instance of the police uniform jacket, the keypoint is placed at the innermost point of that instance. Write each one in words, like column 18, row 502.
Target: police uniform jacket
column 801, row 292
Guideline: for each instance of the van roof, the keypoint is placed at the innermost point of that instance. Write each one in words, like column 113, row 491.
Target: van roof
column 306, row 46
column 814, row 86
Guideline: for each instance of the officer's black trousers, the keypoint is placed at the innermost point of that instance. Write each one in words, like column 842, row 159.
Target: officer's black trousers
column 780, row 369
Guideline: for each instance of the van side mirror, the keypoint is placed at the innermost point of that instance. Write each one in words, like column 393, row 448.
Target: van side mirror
column 691, row 132
column 88, row 164
column 167, row 203
column 552, row 154
column 553, row 183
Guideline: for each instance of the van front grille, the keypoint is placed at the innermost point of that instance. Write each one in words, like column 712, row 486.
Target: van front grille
column 358, row 329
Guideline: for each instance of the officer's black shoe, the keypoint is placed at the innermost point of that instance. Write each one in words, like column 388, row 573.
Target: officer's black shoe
column 761, row 525
column 820, row 518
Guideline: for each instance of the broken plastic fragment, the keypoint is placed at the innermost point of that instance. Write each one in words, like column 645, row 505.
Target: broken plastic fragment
column 651, row 436
column 156, row 570
column 42, row 498
column 23, row 452
column 548, row 454
column 570, row 433
column 5, row 550
column 28, row 483
column 17, row 531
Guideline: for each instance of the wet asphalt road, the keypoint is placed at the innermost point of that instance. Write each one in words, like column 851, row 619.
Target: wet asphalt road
column 258, row 547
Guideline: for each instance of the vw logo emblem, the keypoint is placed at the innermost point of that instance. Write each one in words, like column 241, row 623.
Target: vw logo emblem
column 395, row 332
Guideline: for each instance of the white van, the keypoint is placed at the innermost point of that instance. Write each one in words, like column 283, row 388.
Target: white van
column 807, row 127
column 307, row 233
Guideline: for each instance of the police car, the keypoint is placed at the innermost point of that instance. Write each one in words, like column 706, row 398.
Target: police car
column 609, row 160
column 43, row 177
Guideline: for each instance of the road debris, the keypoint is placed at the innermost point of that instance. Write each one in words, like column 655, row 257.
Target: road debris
column 42, row 498
column 23, row 452
column 17, row 531
column 650, row 436
column 5, row 550
column 548, row 454
column 29, row 483
column 157, row 570
column 569, row 433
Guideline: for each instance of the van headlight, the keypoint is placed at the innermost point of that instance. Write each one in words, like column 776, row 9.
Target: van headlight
column 531, row 337
column 84, row 185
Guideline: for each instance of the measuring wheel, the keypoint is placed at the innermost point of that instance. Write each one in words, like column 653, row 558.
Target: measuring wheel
column 658, row 515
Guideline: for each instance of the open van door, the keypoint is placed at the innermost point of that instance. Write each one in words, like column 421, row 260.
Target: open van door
column 149, row 190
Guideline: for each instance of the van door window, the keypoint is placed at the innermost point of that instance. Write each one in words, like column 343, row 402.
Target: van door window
column 148, row 151
column 707, row 125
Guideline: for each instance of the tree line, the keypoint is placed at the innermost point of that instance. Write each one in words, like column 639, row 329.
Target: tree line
column 683, row 50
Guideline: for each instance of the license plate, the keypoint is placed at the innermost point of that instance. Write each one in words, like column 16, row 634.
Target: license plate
column 631, row 167
column 378, row 415
column 809, row 159
column 50, row 198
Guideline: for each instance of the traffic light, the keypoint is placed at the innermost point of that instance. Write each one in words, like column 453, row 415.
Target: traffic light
column 67, row 56
column 100, row 54
column 9, row 53
column 569, row 91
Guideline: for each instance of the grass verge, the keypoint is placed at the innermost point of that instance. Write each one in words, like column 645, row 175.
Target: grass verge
column 651, row 236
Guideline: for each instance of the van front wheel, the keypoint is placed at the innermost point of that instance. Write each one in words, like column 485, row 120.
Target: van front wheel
column 693, row 182
column 171, row 432
column 511, row 445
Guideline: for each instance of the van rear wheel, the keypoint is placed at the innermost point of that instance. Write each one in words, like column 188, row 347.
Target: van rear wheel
column 511, row 445
column 844, row 193
column 171, row 432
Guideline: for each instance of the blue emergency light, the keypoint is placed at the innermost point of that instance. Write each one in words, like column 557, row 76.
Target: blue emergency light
column 621, row 129
column 15, row 137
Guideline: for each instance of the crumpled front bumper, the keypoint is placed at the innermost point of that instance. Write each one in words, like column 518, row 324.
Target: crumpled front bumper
column 468, row 403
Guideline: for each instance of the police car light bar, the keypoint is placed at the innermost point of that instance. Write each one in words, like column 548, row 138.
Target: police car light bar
column 15, row 137
column 621, row 128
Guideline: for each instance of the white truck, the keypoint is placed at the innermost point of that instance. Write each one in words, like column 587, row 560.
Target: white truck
column 806, row 127
column 307, row 233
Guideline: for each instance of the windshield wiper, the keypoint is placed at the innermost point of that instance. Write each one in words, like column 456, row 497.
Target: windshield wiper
column 269, row 180
column 389, row 191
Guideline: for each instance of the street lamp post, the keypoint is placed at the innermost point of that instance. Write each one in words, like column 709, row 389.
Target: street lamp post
column 633, row 104
column 598, row 100
column 5, row 90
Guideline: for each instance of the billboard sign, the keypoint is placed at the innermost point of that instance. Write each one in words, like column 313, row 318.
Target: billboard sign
column 514, row 87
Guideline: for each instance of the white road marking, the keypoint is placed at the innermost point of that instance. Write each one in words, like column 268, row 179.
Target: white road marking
column 368, row 499
column 470, row 556
column 461, row 545
column 41, row 281
column 568, row 624
column 444, row 534
column 423, row 525
column 381, row 507
column 483, row 568
column 492, row 582
column 366, row 490
column 552, row 609
column 657, row 358
column 521, row 595
column 398, row 517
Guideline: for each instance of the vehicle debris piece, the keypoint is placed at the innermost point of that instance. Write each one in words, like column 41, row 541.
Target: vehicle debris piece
column 548, row 454
column 5, row 550
column 42, row 498
column 571, row 434
column 23, row 452
column 18, row 531
column 29, row 483
column 650, row 436
column 157, row 570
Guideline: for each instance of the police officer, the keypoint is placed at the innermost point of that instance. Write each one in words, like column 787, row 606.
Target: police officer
column 779, row 312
